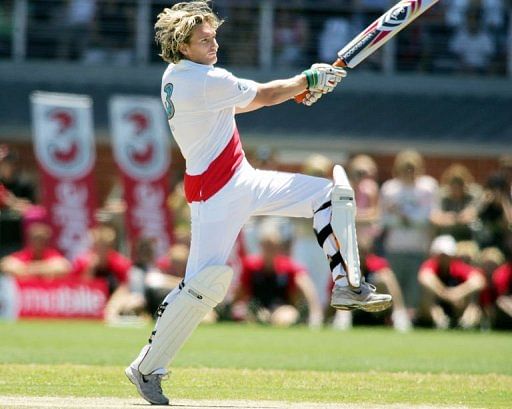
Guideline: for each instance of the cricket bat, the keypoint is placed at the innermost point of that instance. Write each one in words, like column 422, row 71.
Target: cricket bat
column 379, row 33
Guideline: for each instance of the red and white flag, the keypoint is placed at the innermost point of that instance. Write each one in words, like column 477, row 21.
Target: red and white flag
column 142, row 153
column 62, row 128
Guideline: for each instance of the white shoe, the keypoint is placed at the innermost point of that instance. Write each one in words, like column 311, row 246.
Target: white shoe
column 149, row 386
column 364, row 298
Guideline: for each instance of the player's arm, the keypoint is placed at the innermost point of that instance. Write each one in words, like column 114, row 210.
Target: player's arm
column 319, row 79
column 275, row 92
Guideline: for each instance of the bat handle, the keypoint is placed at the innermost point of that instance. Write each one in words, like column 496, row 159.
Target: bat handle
column 300, row 97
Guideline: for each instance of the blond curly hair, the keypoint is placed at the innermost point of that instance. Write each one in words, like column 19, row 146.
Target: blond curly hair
column 174, row 26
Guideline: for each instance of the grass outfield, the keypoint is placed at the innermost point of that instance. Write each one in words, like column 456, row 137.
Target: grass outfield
column 228, row 361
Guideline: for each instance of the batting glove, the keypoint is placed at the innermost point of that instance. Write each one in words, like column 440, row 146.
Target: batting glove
column 311, row 97
column 324, row 77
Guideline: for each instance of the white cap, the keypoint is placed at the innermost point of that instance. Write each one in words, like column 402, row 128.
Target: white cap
column 444, row 244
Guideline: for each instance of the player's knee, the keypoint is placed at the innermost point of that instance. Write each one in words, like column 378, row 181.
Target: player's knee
column 210, row 285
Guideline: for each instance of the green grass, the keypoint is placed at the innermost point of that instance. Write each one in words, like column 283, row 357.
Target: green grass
column 229, row 361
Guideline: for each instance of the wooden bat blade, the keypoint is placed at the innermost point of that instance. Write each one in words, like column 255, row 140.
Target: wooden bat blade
column 379, row 33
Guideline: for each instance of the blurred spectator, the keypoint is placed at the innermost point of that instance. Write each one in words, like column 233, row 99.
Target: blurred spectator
column 502, row 283
column 305, row 248
column 377, row 271
column 494, row 212
column 16, row 197
column 174, row 263
column 290, row 38
column 490, row 259
column 450, row 287
column 335, row 34
column 473, row 45
column 265, row 157
column 505, row 162
column 406, row 203
column 6, row 27
column 12, row 180
column 38, row 258
column 113, row 34
column 241, row 35
column 456, row 209
column 113, row 213
column 179, row 207
column 492, row 11
column 147, row 278
column 75, row 30
column 362, row 172
column 271, row 285
column 469, row 252
column 102, row 261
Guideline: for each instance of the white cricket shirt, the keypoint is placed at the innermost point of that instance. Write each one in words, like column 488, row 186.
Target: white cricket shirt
column 200, row 102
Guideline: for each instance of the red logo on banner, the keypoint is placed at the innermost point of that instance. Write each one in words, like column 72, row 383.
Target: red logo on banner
column 62, row 150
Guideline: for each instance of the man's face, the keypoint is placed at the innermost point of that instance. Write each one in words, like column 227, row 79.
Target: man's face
column 202, row 46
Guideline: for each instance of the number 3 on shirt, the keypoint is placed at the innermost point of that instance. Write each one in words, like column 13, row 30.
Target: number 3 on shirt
column 169, row 106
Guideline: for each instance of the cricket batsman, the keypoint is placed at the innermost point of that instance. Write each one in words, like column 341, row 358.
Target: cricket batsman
column 224, row 190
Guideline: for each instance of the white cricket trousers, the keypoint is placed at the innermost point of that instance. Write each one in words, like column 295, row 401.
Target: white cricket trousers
column 217, row 221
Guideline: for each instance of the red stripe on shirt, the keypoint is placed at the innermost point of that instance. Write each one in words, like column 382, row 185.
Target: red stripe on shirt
column 219, row 172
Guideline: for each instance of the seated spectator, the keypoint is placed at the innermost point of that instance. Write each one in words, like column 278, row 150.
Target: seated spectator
column 335, row 34
column 490, row 259
column 362, row 172
column 75, row 28
column 494, row 213
column 103, row 262
column 493, row 12
column 450, row 287
column 290, row 39
column 6, row 27
column 406, row 202
column 473, row 45
column 505, row 163
column 305, row 248
column 502, row 284
column 456, row 209
column 271, row 284
column 377, row 271
column 113, row 34
column 38, row 258
column 172, row 267
column 20, row 191
column 469, row 252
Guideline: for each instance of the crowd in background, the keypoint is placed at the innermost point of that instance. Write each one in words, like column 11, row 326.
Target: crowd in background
column 469, row 36
column 442, row 248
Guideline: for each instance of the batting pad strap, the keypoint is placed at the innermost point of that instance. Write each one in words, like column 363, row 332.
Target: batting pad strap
column 323, row 207
column 322, row 235
column 336, row 260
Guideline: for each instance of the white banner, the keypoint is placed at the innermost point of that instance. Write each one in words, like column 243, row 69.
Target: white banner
column 142, row 153
column 63, row 133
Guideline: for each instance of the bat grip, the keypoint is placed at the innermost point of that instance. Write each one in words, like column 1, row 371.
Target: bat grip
column 300, row 97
